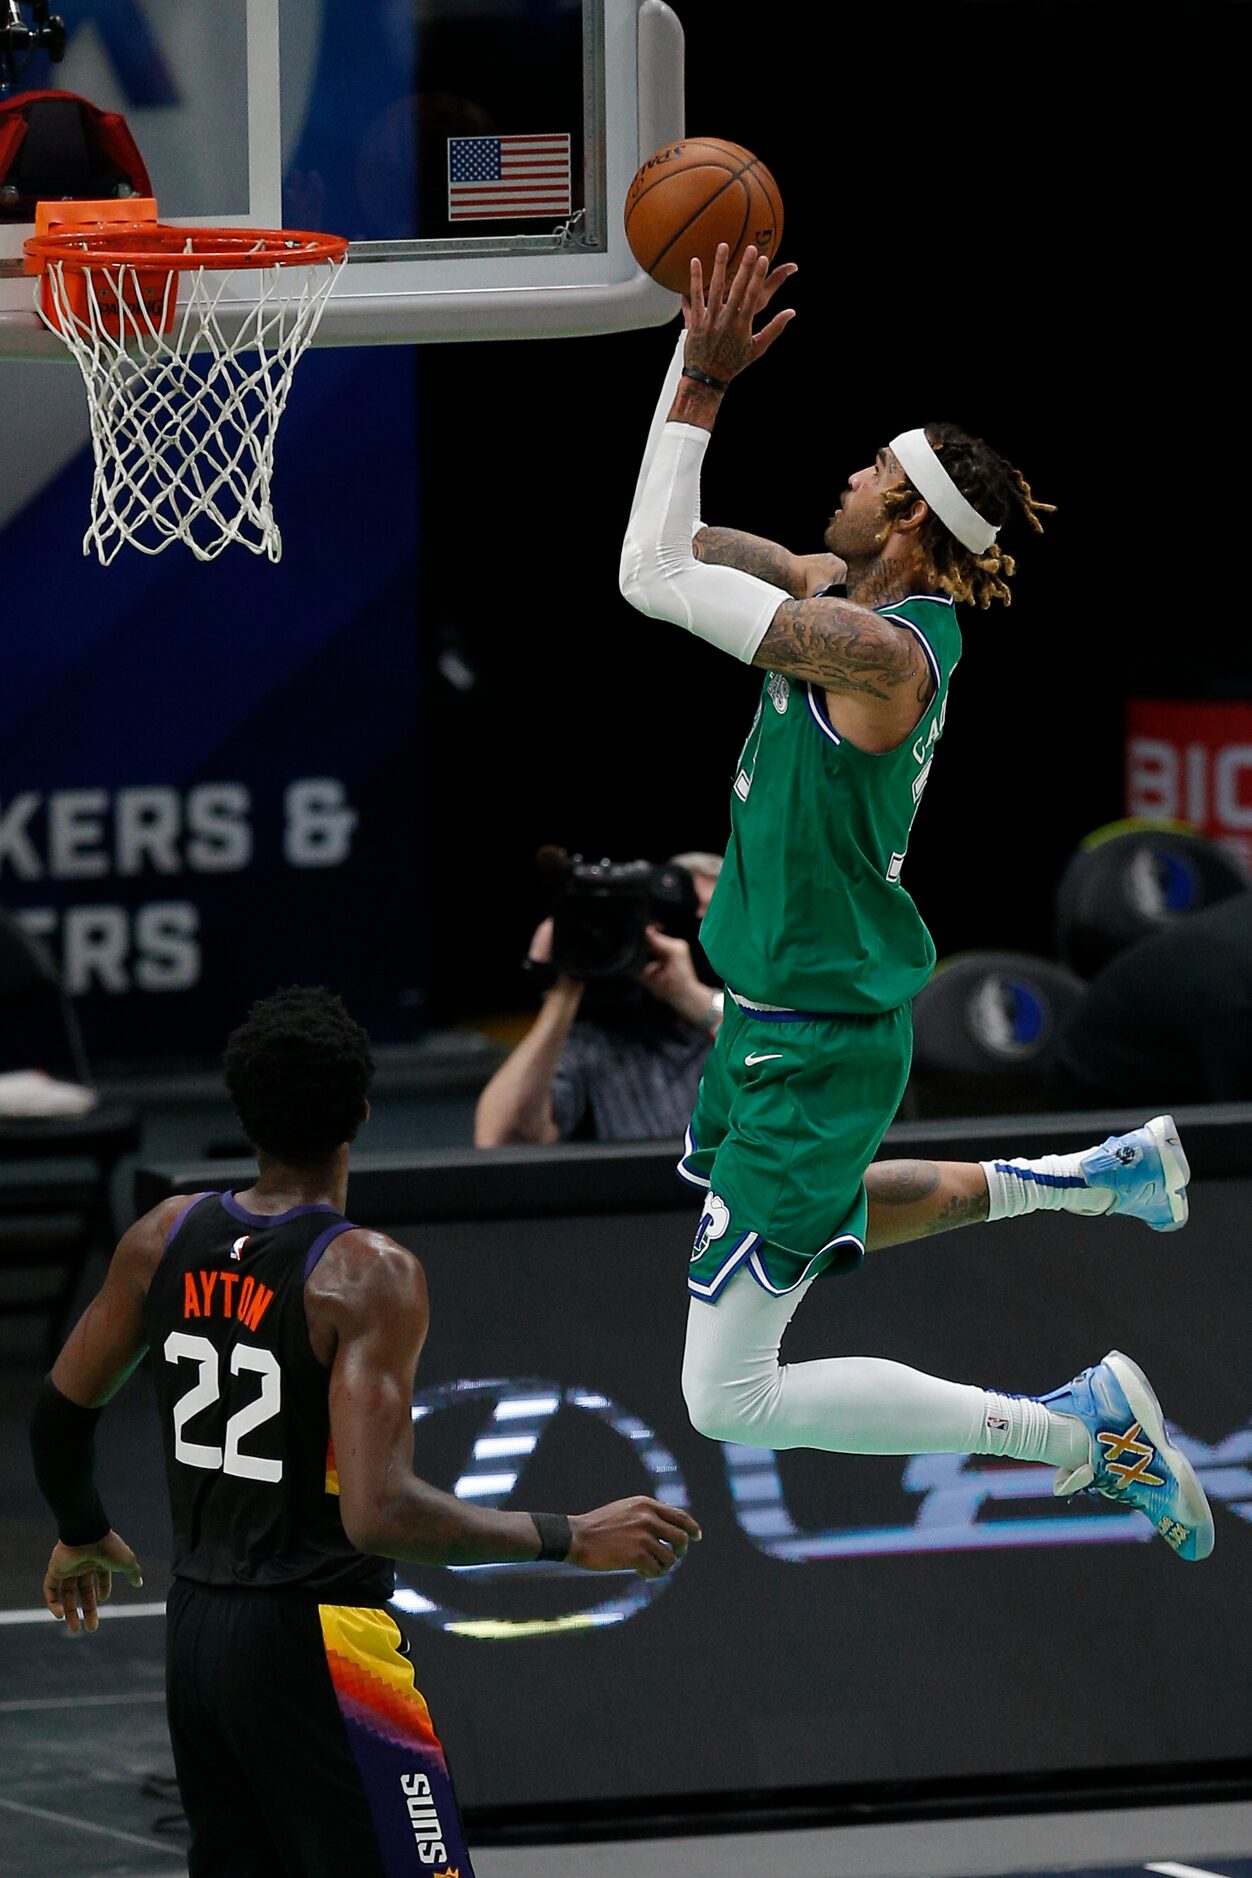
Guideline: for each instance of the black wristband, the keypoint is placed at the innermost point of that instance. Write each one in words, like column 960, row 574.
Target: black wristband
column 63, row 1449
column 555, row 1536
column 704, row 378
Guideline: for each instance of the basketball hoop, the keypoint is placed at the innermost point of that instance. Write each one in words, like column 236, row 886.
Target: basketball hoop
column 185, row 381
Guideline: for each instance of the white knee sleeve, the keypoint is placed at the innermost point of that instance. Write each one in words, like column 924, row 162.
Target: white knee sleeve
column 731, row 1375
column 737, row 1390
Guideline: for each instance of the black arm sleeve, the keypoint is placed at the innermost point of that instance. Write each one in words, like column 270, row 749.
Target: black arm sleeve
column 62, row 1444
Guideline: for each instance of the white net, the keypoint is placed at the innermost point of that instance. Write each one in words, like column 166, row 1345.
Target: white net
column 183, row 422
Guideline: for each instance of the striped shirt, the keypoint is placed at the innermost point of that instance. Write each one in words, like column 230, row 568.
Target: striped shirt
column 628, row 1085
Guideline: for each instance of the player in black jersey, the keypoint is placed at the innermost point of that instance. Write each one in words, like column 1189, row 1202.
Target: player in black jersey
column 284, row 1342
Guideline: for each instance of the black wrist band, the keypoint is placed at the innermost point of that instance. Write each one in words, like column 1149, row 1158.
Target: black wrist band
column 555, row 1536
column 704, row 378
column 63, row 1450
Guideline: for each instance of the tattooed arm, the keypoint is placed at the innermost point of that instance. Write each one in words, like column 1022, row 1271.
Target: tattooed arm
column 849, row 649
column 855, row 655
column 800, row 575
column 746, row 596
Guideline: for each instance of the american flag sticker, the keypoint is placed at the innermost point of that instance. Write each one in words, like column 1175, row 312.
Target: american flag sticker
column 508, row 178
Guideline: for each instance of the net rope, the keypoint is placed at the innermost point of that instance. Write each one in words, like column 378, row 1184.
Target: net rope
column 183, row 423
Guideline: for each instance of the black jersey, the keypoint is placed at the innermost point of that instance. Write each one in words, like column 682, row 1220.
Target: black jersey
column 244, row 1405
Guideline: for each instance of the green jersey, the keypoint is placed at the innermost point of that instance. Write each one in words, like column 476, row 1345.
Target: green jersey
column 809, row 913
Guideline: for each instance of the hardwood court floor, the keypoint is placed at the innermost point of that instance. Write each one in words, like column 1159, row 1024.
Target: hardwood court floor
column 86, row 1768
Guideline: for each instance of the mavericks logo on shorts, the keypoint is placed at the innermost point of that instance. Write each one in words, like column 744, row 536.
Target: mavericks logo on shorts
column 714, row 1222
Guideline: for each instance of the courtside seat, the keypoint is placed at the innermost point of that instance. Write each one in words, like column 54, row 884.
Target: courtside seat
column 56, row 1171
column 1132, row 879
column 984, row 1031
column 56, row 1210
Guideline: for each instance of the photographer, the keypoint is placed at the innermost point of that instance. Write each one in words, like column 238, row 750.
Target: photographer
column 616, row 1052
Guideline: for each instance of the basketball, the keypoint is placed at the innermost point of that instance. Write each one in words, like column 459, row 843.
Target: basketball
column 688, row 196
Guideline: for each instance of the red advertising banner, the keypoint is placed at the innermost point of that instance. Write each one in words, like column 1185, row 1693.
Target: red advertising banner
column 1192, row 762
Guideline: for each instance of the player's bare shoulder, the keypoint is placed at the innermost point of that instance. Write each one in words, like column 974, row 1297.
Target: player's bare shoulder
column 363, row 1278
column 142, row 1246
column 848, row 648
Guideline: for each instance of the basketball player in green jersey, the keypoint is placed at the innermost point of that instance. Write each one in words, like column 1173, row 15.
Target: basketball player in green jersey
column 822, row 949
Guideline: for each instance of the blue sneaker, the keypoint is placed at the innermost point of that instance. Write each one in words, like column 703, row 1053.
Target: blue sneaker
column 1132, row 1459
column 1147, row 1172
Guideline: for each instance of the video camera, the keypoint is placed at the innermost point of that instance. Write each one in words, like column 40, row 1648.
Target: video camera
column 601, row 911
column 45, row 34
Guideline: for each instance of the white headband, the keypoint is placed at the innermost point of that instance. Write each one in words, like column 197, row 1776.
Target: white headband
column 934, row 485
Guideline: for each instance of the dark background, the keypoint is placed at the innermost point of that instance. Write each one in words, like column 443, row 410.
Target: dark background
column 1021, row 217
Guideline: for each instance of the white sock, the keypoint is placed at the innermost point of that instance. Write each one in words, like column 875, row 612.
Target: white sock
column 1022, row 1429
column 1054, row 1183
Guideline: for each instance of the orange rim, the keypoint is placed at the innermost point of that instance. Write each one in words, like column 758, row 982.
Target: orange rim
column 161, row 245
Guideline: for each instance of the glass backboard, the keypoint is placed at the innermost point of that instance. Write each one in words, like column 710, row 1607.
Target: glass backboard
column 477, row 153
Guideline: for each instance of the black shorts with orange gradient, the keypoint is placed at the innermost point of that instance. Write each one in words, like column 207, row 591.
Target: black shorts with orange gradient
column 301, row 1745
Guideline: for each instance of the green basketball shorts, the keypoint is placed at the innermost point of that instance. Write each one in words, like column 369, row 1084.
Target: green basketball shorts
column 791, row 1110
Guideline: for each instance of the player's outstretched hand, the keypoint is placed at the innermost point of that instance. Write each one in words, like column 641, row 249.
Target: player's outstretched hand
column 720, row 339
column 79, row 1579
column 639, row 1535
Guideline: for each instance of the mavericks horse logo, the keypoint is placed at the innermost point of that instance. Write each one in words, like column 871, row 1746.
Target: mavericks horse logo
column 714, row 1222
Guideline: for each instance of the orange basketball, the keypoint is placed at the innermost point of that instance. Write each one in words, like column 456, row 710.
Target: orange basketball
column 688, row 196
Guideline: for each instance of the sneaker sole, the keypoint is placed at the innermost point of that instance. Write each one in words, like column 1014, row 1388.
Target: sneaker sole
column 1148, row 1413
column 1175, row 1169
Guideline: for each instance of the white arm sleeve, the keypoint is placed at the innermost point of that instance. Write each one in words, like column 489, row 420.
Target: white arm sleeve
column 659, row 416
column 660, row 575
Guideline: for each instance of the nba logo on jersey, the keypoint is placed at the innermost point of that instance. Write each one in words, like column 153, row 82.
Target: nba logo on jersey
column 236, row 1251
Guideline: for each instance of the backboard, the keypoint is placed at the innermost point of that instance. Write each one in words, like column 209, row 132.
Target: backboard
column 413, row 127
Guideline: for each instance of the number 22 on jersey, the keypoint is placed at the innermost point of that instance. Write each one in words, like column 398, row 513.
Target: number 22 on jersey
column 183, row 1346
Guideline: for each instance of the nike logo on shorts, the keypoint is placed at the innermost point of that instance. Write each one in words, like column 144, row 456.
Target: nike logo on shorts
column 769, row 1056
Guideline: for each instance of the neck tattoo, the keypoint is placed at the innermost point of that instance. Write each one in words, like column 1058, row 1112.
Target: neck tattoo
column 877, row 583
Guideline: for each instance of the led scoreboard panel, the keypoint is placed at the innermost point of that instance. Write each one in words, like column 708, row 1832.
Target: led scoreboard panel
column 847, row 1622
column 845, row 1619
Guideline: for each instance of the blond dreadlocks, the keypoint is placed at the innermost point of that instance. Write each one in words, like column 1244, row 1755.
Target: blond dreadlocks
column 998, row 492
